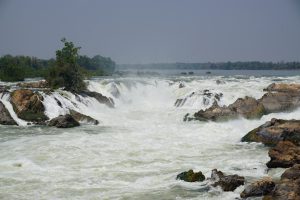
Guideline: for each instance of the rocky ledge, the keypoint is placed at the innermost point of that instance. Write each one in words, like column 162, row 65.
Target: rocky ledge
column 279, row 97
column 274, row 131
column 28, row 105
column 288, row 188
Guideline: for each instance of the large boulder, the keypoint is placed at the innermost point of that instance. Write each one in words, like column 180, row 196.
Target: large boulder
column 283, row 87
column 5, row 117
column 261, row 187
column 64, row 121
column 226, row 182
column 28, row 105
column 280, row 101
column 274, row 131
column 289, row 186
column 83, row 118
column 99, row 97
column 191, row 176
column 284, row 155
column 247, row 107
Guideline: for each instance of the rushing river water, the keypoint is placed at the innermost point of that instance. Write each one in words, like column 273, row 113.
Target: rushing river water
column 139, row 146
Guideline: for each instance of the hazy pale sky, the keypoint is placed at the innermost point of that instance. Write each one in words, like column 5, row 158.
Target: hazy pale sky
column 148, row 31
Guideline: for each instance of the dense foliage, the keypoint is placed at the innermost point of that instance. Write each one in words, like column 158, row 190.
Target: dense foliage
column 16, row 68
column 66, row 72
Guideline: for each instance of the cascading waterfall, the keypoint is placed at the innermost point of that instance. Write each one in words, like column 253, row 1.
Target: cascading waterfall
column 139, row 146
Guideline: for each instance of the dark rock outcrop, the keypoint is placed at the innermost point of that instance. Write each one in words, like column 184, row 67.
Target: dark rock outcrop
column 83, row 118
column 64, row 121
column 247, row 107
column 28, row 105
column 99, row 97
column 274, row 131
column 279, row 97
column 191, row 176
column 284, row 155
column 259, row 188
column 226, row 182
column 5, row 117
column 289, row 186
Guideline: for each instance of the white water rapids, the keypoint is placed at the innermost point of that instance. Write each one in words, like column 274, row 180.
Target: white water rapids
column 139, row 146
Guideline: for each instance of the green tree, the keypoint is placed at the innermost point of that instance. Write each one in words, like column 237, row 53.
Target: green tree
column 66, row 72
column 10, row 70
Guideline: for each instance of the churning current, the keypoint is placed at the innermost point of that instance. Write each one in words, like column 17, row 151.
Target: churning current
column 139, row 146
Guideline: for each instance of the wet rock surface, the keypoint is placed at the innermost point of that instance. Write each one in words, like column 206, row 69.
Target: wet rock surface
column 64, row 121
column 261, row 187
column 247, row 107
column 284, row 154
column 191, row 176
column 99, row 97
column 83, row 118
column 5, row 117
column 274, row 131
column 226, row 182
column 288, row 187
column 279, row 97
column 28, row 105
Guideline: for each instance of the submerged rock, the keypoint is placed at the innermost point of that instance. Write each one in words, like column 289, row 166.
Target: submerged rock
column 83, row 118
column 191, row 176
column 226, row 182
column 274, row 131
column 28, row 105
column 259, row 188
column 284, row 155
column 5, row 117
column 99, row 97
column 64, row 121
column 289, row 186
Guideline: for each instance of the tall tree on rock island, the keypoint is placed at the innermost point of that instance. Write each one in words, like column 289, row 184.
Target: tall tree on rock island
column 66, row 72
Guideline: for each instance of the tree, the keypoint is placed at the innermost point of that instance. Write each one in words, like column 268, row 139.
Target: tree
column 10, row 70
column 66, row 72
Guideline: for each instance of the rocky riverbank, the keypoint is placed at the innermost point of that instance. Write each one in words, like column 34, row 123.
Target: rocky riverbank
column 279, row 98
column 27, row 101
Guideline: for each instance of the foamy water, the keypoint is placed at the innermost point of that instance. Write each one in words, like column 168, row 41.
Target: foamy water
column 139, row 146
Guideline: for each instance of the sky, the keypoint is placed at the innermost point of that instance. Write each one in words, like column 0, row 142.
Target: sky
column 154, row 31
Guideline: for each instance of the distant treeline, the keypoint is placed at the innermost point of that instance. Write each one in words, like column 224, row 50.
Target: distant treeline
column 255, row 65
column 16, row 68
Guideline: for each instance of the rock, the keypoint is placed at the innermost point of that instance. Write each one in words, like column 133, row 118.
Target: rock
column 181, row 85
column 36, row 84
column 280, row 101
column 247, row 107
column 99, row 97
column 259, row 188
column 5, row 117
column 226, row 182
column 83, row 118
column 28, row 105
column 64, row 121
column 191, row 176
column 219, row 82
column 279, row 97
column 284, row 155
column 289, row 186
column 274, row 131
column 206, row 94
column 283, row 87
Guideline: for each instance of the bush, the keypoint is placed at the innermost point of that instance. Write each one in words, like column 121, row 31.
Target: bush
column 66, row 72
